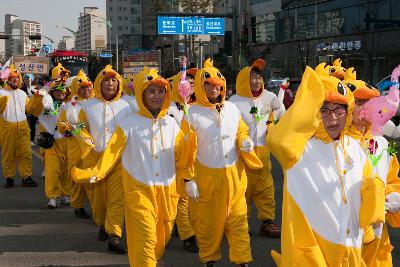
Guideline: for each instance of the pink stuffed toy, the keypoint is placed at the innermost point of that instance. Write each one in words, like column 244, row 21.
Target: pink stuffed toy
column 379, row 110
column 184, row 87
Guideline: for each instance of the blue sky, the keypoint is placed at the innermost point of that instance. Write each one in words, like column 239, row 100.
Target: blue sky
column 50, row 13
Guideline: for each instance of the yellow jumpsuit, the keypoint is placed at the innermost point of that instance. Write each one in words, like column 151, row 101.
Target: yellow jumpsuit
column 327, row 183
column 260, row 183
column 219, row 173
column 154, row 154
column 57, row 182
column 185, row 230
column 101, row 119
column 15, row 140
column 67, row 122
column 376, row 250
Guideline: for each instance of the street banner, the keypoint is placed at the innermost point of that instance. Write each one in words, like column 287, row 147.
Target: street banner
column 31, row 64
column 135, row 61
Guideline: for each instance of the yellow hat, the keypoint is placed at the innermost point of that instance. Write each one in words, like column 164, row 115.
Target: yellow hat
column 208, row 74
column 360, row 89
column 151, row 77
column 59, row 72
column 336, row 70
column 107, row 72
column 80, row 80
column 15, row 73
column 243, row 78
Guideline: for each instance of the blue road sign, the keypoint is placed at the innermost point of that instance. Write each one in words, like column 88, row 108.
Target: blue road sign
column 190, row 25
column 47, row 48
column 105, row 55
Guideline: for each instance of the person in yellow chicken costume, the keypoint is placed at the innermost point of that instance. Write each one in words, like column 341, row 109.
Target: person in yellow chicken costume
column 176, row 110
column 259, row 108
column 15, row 140
column 68, row 125
column 330, row 193
column 48, row 110
column 101, row 115
column 154, row 153
column 217, row 203
column 376, row 248
column 129, row 92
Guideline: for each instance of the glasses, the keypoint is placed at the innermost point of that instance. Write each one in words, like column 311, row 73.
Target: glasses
column 338, row 110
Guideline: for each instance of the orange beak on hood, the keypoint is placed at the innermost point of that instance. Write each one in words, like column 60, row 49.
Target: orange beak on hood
column 365, row 93
column 334, row 97
column 215, row 81
column 339, row 74
column 86, row 83
column 160, row 82
column 12, row 74
column 111, row 73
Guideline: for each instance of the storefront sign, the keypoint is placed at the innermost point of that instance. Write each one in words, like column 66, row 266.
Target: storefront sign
column 340, row 46
column 32, row 65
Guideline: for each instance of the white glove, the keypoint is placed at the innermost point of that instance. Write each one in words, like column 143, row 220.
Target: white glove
column 92, row 180
column 191, row 190
column 247, row 145
column 393, row 202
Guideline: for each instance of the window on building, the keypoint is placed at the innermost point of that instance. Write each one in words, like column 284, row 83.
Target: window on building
column 111, row 9
column 119, row 18
column 120, row 28
column 125, row 18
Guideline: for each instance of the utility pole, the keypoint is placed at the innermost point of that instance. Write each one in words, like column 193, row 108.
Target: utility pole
column 116, row 43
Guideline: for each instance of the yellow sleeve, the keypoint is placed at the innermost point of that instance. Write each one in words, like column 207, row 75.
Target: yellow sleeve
column 3, row 103
column 185, row 152
column 62, row 123
column 250, row 158
column 287, row 139
column 393, row 185
column 108, row 158
column 86, row 142
column 372, row 209
column 34, row 105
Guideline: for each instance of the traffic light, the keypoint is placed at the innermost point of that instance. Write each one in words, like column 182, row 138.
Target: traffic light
column 35, row 37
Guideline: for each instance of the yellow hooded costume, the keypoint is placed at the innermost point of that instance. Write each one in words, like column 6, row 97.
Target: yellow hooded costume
column 260, row 184
column 185, row 230
column 220, row 173
column 327, row 182
column 57, row 182
column 59, row 72
column 68, row 126
column 376, row 249
column 101, row 118
column 154, row 154
column 15, row 132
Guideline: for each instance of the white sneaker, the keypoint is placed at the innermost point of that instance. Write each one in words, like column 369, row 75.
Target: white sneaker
column 32, row 143
column 52, row 204
column 64, row 200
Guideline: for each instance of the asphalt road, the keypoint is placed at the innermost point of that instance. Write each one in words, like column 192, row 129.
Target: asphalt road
column 30, row 235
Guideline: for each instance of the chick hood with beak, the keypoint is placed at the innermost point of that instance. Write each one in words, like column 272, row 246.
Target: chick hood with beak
column 208, row 74
column 148, row 78
column 105, row 73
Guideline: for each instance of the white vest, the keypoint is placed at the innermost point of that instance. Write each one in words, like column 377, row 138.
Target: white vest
column 15, row 109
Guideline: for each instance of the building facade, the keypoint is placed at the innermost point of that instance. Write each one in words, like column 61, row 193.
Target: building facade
column 126, row 19
column 19, row 32
column 66, row 43
column 92, row 30
column 294, row 33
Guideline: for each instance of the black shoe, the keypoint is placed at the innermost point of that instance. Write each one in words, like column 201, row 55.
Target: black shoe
column 28, row 182
column 9, row 183
column 81, row 213
column 190, row 245
column 243, row 265
column 102, row 236
column 114, row 245
column 209, row 264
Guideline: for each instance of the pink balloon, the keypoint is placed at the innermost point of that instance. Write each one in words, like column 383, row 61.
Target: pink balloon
column 4, row 74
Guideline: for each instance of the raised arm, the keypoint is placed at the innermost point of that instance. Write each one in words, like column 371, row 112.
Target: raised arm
column 109, row 157
column 287, row 139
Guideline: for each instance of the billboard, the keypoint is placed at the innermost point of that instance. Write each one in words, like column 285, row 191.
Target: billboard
column 190, row 25
column 31, row 64
column 135, row 61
